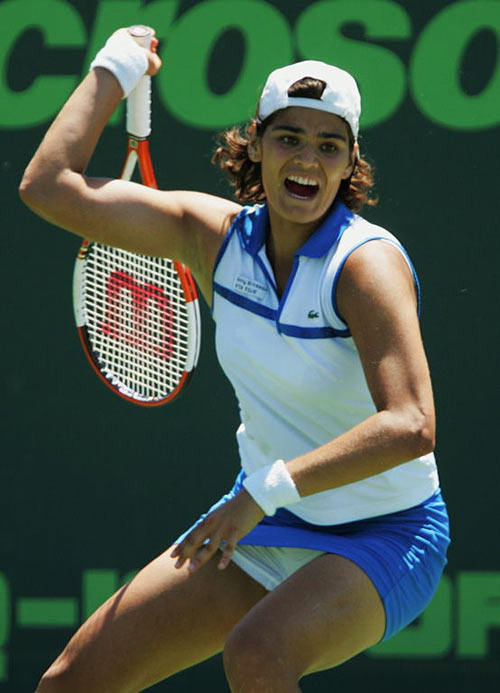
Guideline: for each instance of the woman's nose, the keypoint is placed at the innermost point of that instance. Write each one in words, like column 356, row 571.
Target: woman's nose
column 306, row 154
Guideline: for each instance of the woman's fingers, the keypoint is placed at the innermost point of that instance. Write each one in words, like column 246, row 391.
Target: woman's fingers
column 227, row 552
column 154, row 61
column 202, row 538
column 195, row 554
column 221, row 529
column 203, row 554
column 198, row 547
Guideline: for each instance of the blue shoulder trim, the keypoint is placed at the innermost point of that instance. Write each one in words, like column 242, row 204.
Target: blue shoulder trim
column 415, row 279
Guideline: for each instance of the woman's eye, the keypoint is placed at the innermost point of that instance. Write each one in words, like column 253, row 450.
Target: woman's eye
column 289, row 139
column 329, row 147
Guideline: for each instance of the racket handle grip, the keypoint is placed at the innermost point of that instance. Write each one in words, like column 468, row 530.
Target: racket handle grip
column 139, row 99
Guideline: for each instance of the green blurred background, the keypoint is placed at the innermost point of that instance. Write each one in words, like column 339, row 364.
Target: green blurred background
column 92, row 487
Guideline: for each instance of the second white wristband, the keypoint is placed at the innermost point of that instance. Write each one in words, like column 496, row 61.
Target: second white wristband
column 272, row 487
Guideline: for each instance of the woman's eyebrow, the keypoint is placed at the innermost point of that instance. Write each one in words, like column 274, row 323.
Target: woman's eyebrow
column 301, row 131
column 332, row 135
column 290, row 128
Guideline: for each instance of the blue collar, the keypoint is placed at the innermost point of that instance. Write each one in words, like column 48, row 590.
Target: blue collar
column 252, row 225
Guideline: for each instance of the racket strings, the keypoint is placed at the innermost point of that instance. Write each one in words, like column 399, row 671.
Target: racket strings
column 137, row 321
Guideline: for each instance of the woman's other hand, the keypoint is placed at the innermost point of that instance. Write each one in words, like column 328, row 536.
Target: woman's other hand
column 222, row 529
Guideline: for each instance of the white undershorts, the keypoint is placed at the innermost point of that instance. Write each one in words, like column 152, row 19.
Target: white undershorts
column 271, row 565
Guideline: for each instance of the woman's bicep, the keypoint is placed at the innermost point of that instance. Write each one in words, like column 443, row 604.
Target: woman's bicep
column 183, row 225
column 119, row 213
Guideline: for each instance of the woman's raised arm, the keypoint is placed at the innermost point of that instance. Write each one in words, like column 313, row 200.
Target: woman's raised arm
column 186, row 226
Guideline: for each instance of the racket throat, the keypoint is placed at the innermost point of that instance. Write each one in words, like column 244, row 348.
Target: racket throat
column 138, row 151
column 130, row 164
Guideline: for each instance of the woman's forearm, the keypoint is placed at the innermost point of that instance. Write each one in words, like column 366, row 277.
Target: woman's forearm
column 377, row 444
column 71, row 139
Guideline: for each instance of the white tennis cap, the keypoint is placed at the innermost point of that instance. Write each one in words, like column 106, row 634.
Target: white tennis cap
column 340, row 97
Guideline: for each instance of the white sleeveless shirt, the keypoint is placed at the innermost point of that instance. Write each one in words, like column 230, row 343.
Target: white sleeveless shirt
column 294, row 366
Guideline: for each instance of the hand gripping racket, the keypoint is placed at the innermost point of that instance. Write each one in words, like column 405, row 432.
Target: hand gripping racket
column 137, row 316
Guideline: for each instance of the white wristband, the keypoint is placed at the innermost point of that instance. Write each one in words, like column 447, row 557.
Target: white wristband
column 122, row 56
column 272, row 487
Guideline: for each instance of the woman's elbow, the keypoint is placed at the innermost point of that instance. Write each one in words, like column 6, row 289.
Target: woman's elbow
column 32, row 192
column 422, row 433
column 44, row 194
column 27, row 189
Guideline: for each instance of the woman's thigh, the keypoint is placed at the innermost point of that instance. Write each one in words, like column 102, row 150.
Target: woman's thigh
column 324, row 614
column 163, row 621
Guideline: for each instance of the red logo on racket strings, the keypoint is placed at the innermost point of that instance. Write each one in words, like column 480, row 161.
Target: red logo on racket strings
column 135, row 324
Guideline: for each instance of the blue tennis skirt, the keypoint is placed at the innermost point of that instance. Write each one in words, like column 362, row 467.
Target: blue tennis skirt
column 403, row 553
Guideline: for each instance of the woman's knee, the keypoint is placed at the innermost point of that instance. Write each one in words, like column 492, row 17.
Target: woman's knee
column 74, row 674
column 256, row 657
column 58, row 679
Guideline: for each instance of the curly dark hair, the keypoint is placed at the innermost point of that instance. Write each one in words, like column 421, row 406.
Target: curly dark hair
column 232, row 157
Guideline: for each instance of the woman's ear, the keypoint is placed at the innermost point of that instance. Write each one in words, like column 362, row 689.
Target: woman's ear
column 254, row 149
column 353, row 159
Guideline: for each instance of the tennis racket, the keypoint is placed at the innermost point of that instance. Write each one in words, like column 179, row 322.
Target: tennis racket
column 137, row 317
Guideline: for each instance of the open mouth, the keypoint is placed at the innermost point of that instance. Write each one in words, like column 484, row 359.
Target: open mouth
column 300, row 187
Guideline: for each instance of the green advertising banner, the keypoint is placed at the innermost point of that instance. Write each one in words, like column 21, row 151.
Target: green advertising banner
column 91, row 487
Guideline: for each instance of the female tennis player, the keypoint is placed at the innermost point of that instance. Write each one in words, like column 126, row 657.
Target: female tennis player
column 334, row 535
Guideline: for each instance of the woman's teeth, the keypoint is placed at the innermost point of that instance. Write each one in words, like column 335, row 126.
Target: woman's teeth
column 302, row 181
column 302, row 187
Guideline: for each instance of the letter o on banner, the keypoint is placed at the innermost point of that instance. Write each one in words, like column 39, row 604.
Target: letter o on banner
column 436, row 64
column 183, row 83
column 380, row 73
